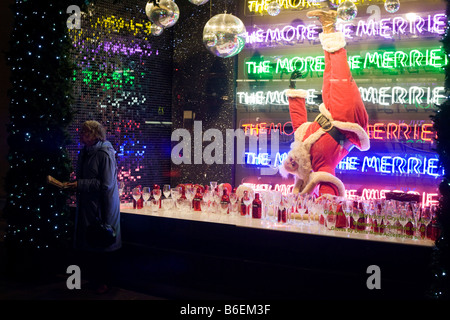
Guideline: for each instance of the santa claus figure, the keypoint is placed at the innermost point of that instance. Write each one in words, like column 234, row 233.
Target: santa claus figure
column 320, row 145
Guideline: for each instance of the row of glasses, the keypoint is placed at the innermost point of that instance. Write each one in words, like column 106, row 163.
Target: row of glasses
column 145, row 194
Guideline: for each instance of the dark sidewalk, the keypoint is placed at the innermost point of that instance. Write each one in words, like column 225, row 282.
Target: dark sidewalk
column 53, row 287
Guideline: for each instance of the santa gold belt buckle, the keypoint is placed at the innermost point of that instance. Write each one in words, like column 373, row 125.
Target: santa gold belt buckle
column 324, row 122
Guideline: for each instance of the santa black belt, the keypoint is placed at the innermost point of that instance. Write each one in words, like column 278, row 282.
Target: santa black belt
column 334, row 132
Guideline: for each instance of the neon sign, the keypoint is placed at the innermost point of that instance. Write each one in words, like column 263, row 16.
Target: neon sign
column 401, row 131
column 381, row 60
column 260, row 6
column 264, row 127
column 428, row 198
column 283, row 188
column 386, row 96
column 391, row 28
column 393, row 165
column 391, row 131
column 263, row 159
column 386, row 165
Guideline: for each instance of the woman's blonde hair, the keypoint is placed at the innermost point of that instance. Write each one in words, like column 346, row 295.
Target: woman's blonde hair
column 94, row 129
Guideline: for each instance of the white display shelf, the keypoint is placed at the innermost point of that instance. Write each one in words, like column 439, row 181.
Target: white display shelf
column 313, row 228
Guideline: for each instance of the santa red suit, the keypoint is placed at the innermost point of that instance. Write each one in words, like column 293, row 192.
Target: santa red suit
column 320, row 145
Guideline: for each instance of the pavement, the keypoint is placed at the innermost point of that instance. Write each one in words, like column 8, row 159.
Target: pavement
column 13, row 287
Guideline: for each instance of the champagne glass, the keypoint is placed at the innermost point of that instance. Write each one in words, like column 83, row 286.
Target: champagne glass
column 190, row 194
column 154, row 205
column 268, row 203
column 401, row 215
column 291, row 200
column 176, row 193
column 233, row 201
column 166, row 191
column 301, row 208
column 310, row 207
column 415, row 208
column 156, row 194
column 145, row 194
column 276, row 196
column 248, row 202
column 390, row 216
column 347, row 207
column 356, row 212
column 136, row 193
column 204, row 207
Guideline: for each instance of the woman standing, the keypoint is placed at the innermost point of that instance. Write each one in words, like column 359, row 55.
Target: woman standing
column 97, row 199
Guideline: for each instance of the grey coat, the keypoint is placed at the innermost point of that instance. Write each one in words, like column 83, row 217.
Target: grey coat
column 97, row 193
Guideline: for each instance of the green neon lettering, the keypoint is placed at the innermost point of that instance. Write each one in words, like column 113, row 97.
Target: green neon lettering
column 381, row 59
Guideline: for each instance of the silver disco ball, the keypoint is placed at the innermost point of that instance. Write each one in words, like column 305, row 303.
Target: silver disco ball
column 224, row 35
column 198, row 2
column 165, row 14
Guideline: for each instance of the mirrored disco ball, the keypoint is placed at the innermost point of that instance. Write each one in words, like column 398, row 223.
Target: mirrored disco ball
column 273, row 8
column 347, row 11
column 198, row 2
column 392, row 6
column 229, row 32
column 156, row 30
column 165, row 14
column 209, row 39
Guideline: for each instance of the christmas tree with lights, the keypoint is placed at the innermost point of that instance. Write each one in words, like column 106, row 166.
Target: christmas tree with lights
column 42, row 68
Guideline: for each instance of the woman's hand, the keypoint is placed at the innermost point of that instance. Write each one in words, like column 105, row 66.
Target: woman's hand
column 70, row 185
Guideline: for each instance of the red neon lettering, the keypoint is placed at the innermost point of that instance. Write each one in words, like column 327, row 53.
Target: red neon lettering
column 406, row 132
column 254, row 129
column 370, row 131
column 391, row 131
column 262, row 127
column 416, row 132
column 246, row 127
column 376, row 130
column 275, row 127
column 425, row 132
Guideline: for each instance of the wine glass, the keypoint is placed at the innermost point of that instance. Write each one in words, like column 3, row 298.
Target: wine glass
column 356, row 213
column 213, row 185
column 145, row 194
column 301, row 208
column 154, row 205
column 402, row 215
column 290, row 210
column 276, row 198
column 136, row 193
column 247, row 202
column 156, row 194
column 176, row 194
column 347, row 207
column 390, row 209
column 310, row 207
column 166, row 191
column 204, row 207
column 415, row 208
column 233, row 201
column 190, row 194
